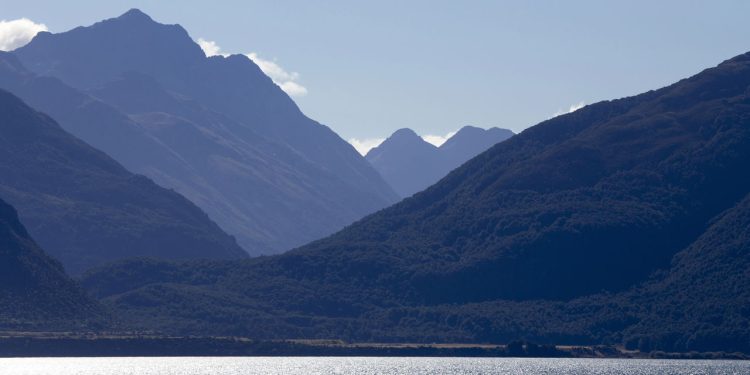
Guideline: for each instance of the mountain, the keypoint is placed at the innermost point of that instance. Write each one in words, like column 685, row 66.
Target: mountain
column 215, row 129
column 410, row 164
column 35, row 292
column 80, row 113
column 594, row 200
column 702, row 301
column 624, row 222
column 469, row 142
column 407, row 162
column 86, row 209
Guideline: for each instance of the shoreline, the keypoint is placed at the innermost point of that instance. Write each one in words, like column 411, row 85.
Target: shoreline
column 48, row 344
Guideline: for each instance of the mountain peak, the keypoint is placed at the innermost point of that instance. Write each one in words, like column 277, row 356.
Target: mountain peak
column 401, row 139
column 404, row 133
column 406, row 161
column 87, row 57
column 469, row 129
column 410, row 164
column 470, row 138
column 135, row 14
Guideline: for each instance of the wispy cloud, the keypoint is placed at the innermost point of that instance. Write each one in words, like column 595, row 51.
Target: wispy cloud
column 438, row 140
column 288, row 81
column 571, row 109
column 17, row 33
column 210, row 48
column 363, row 146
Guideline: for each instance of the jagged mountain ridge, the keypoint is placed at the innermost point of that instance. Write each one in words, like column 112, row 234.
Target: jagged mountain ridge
column 410, row 164
column 216, row 129
column 471, row 141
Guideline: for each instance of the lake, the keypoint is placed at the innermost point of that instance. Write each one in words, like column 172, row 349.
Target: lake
column 362, row 365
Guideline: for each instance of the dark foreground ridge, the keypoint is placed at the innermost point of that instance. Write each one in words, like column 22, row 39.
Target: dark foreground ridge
column 35, row 292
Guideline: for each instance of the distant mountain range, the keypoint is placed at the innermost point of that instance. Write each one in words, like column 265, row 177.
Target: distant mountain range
column 624, row 222
column 215, row 129
column 410, row 164
column 35, row 292
column 85, row 208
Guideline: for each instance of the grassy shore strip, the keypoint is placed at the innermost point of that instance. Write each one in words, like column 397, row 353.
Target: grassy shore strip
column 68, row 344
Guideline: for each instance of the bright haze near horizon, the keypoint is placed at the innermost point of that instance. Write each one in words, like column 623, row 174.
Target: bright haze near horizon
column 367, row 69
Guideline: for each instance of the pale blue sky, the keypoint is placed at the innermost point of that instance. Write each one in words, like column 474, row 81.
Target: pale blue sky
column 371, row 67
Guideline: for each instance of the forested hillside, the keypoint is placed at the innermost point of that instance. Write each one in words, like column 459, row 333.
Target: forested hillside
column 35, row 292
column 622, row 222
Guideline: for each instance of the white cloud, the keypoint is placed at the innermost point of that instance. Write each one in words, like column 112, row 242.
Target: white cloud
column 272, row 69
column 284, row 79
column 363, row 146
column 293, row 88
column 209, row 47
column 366, row 144
column 438, row 140
column 16, row 33
column 571, row 109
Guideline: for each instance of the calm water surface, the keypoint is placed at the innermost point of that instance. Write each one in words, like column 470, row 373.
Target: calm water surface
column 358, row 365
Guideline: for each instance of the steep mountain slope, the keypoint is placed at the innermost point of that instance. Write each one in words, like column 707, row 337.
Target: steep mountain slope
column 195, row 159
column 84, row 208
column 409, row 164
column 625, row 221
column 235, row 144
column 79, row 113
column 34, row 290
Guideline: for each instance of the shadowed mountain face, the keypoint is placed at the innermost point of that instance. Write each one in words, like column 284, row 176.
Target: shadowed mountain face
column 702, row 301
column 644, row 198
column 86, row 209
column 34, row 290
column 410, row 164
column 217, row 130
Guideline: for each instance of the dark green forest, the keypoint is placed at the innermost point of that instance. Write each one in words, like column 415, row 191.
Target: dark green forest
column 35, row 292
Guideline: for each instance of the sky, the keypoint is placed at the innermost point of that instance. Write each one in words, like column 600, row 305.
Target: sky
column 368, row 68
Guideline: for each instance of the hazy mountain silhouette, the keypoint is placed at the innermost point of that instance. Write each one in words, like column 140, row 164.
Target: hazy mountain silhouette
column 84, row 208
column 469, row 142
column 407, row 162
column 410, row 164
column 35, row 293
column 625, row 221
column 216, row 130
column 100, row 124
